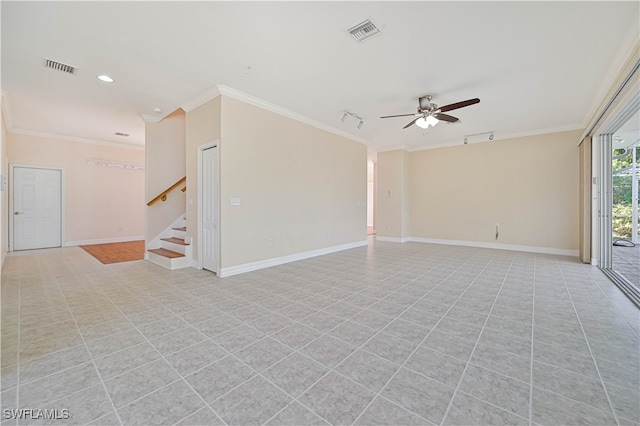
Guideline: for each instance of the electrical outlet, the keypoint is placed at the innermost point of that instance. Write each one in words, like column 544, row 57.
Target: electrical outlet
column 269, row 242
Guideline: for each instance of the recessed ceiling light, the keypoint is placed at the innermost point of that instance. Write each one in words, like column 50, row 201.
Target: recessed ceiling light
column 157, row 110
column 105, row 78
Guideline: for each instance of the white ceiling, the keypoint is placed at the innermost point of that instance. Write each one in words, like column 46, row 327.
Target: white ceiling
column 536, row 66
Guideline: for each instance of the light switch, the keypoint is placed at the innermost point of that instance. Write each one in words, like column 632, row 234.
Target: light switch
column 235, row 201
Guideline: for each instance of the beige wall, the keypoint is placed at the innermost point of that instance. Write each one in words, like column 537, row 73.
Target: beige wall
column 301, row 187
column 528, row 185
column 165, row 153
column 4, row 198
column 392, row 210
column 202, row 127
column 100, row 204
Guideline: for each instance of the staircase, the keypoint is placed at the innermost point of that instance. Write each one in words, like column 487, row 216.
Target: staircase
column 172, row 250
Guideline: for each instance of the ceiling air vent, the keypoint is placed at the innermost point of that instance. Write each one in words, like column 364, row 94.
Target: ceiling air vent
column 363, row 31
column 49, row 63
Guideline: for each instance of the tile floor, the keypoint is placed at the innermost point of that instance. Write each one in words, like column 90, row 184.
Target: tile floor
column 411, row 334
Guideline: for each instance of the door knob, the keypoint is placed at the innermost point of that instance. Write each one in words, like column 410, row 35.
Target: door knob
column 17, row 213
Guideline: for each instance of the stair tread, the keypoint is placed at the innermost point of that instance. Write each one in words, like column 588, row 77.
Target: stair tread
column 184, row 228
column 175, row 240
column 166, row 253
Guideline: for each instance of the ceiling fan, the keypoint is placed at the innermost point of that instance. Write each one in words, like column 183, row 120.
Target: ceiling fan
column 429, row 114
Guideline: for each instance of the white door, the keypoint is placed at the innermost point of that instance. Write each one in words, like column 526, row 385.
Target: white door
column 210, row 209
column 37, row 208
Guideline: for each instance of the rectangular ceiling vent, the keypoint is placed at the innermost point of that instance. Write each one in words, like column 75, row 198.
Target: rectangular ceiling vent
column 49, row 63
column 363, row 31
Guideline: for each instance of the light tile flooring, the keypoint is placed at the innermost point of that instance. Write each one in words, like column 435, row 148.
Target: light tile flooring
column 386, row 334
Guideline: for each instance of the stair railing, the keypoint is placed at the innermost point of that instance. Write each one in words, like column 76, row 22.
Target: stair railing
column 163, row 195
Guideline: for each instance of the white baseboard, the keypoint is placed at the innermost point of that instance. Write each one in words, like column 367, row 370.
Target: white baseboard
column 497, row 246
column 393, row 239
column 594, row 261
column 103, row 241
column 253, row 266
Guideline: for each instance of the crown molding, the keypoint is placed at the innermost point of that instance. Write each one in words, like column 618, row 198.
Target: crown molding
column 261, row 103
column 6, row 114
column 498, row 136
column 208, row 95
column 236, row 94
column 393, row 148
column 76, row 139
column 148, row 118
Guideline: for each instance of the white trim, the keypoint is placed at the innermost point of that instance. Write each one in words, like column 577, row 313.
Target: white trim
column 4, row 104
column 75, row 139
column 594, row 261
column 103, row 241
column 260, row 103
column 393, row 239
column 497, row 246
column 392, row 148
column 208, row 95
column 253, row 266
column 151, row 118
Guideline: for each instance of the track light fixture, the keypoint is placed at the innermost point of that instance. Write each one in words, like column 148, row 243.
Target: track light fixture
column 478, row 137
column 346, row 114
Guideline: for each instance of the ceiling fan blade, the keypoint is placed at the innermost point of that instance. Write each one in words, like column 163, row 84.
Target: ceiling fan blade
column 457, row 105
column 446, row 117
column 411, row 123
column 401, row 115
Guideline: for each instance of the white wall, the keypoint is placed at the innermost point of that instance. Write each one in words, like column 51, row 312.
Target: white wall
column 4, row 195
column 165, row 153
column 392, row 207
column 202, row 127
column 529, row 186
column 101, row 204
column 301, row 187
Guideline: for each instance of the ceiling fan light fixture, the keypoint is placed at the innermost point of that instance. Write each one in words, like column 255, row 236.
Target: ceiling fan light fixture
column 425, row 123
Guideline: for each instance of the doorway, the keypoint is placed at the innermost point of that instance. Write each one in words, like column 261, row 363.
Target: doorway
column 616, row 170
column 371, row 197
column 625, row 176
column 36, row 215
column 209, row 247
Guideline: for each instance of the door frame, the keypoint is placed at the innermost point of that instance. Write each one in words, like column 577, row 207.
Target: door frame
column 201, row 149
column 11, row 194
